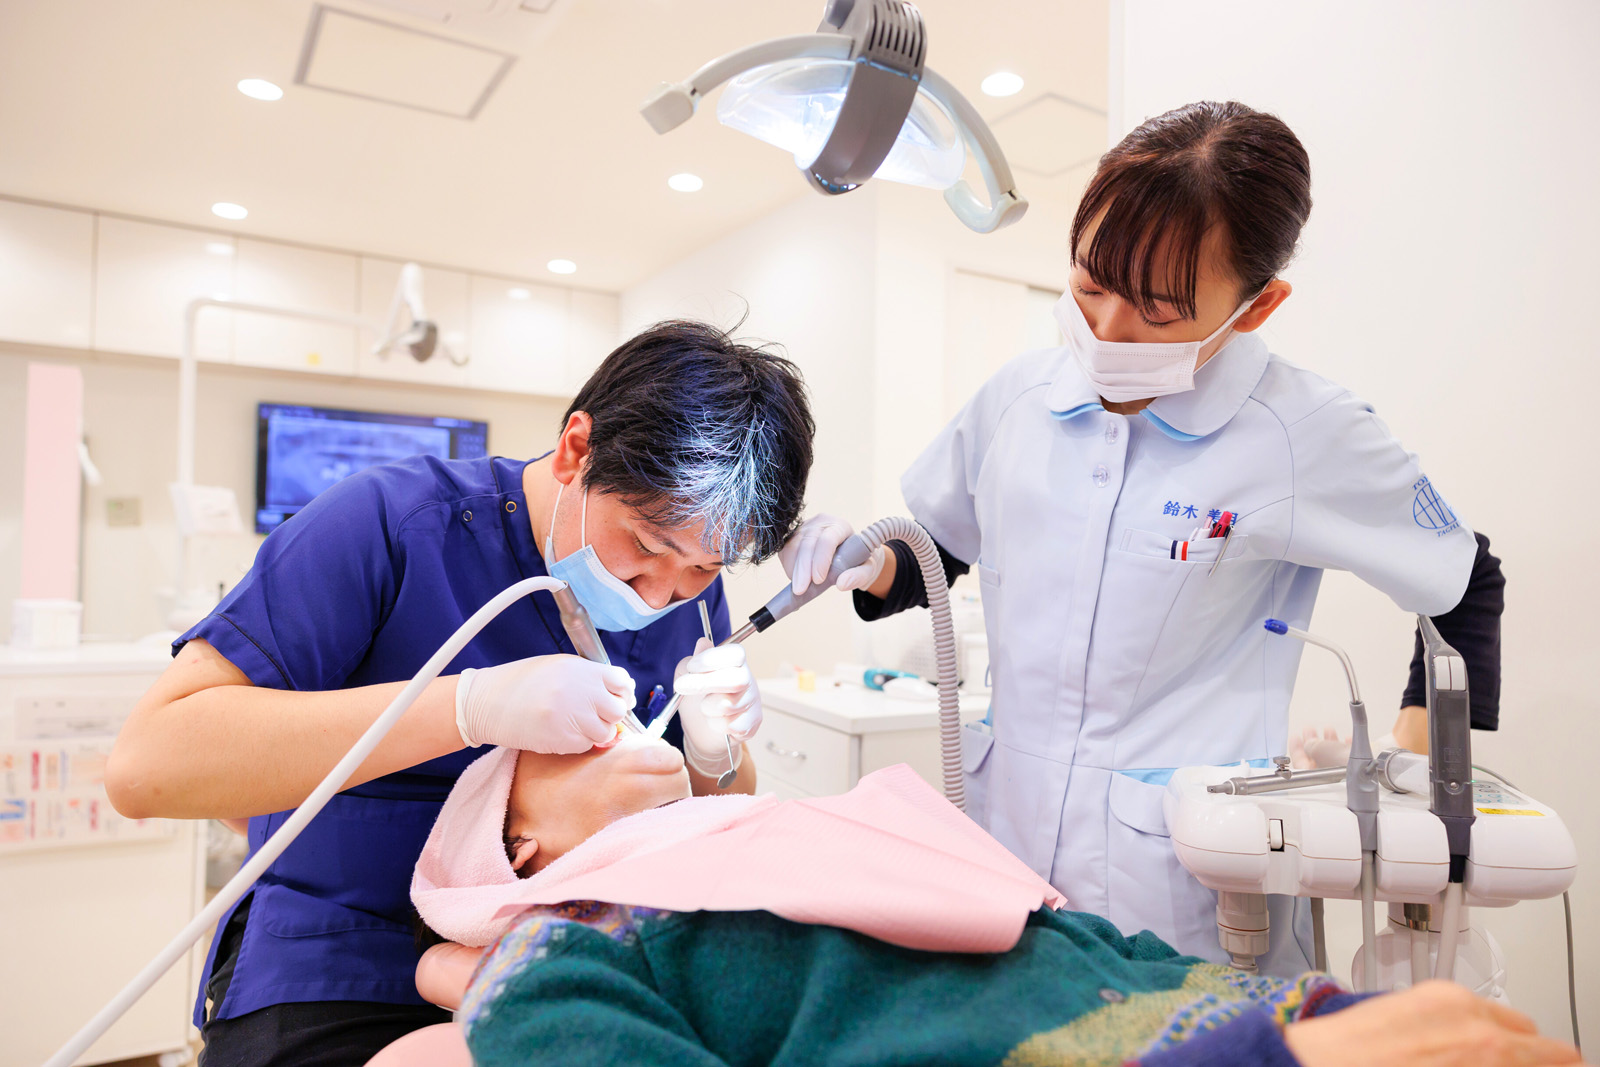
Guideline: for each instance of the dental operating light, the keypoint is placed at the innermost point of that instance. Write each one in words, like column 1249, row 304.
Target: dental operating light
column 855, row 101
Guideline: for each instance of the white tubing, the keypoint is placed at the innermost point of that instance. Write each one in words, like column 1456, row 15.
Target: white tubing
column 274, row 845
column 1419, row 955
column 916, row 538
column 1449, row 931
column 1369, row 924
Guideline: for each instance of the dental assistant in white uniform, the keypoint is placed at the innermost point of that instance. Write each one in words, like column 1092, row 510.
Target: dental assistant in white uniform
column 1071, row 481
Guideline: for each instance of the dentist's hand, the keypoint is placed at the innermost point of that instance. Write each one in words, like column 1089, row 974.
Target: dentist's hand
column 559, row 704
column 720, row 699
column 807, row 555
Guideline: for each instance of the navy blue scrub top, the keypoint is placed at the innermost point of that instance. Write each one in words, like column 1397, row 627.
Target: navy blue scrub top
column 360, row 588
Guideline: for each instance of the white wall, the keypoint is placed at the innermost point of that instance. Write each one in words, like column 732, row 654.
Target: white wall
column 1447, row 275
column 804, row 276
column 130, row 415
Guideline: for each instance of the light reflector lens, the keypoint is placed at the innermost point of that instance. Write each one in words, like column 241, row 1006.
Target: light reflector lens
column 260, row 89
column 225, row 210
column 1002, row 83
column 561, row 266
column 686, row 183
column 793, row 105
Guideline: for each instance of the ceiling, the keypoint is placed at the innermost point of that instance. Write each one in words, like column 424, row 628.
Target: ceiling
column 132, row 108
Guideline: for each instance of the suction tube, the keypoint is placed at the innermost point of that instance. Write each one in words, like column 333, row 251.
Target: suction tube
column 1449, row 931
column 274, row 845
column 1369, row 923
column 944, row 641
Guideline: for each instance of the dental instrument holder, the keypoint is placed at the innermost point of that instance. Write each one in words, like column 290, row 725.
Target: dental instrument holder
column 1449, row 744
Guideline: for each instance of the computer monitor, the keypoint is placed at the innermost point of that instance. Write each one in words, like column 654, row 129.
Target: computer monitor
column 301, row 450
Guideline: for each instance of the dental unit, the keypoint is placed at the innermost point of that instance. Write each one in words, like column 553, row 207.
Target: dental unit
column 1417, row 832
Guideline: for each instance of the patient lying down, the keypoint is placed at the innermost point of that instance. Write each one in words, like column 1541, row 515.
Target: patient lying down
column 626, row 923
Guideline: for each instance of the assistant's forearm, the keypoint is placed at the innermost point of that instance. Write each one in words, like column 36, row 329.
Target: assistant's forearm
column 229, row 751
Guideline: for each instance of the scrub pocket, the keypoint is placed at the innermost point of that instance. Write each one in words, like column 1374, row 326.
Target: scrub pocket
column 1147, row 888
column 976, row 744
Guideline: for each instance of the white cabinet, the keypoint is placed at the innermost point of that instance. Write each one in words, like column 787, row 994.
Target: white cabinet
column 821, row 742
column 46, row 258
column 145, row 277
column 592, row 332
column 303, row 279
column 446, row 299
column 519, row 337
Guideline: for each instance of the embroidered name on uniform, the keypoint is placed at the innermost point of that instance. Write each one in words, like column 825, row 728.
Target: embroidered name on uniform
column 1189, row 511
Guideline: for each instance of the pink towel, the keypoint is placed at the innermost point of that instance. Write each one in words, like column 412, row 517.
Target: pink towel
column 891, row 859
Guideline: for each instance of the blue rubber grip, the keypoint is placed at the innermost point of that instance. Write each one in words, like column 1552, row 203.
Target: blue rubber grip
column 1277, row 627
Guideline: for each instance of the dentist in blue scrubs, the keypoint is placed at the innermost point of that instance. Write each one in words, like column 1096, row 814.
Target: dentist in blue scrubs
column 686, row 451
column 1084, row 483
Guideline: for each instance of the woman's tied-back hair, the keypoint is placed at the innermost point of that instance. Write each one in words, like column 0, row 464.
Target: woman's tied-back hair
column 1178, row 175
column 691, row 425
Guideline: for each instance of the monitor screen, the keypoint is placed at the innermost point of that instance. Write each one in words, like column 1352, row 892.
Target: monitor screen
column 300, row 450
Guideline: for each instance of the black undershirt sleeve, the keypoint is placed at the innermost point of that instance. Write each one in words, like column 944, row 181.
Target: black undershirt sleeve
column 907, row 590
column 1472, row 628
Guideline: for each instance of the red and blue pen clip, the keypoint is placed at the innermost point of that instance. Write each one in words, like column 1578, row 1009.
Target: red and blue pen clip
column 1222, row 527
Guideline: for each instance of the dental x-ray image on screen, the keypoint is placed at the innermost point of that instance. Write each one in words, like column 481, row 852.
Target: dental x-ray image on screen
column 300, row 451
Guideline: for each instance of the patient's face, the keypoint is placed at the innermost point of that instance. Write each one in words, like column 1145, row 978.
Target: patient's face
column 558, row 802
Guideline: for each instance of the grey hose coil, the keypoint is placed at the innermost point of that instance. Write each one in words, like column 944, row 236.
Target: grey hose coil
column 897, row 528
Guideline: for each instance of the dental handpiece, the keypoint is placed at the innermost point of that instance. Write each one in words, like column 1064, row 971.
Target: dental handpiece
column 586, row 639
column 852, row 553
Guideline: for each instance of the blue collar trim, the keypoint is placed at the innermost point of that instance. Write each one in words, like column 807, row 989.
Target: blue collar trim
column 1167, row 428
column 1079, row 410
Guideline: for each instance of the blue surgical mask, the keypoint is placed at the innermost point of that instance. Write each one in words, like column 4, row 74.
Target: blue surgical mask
column 611, row 602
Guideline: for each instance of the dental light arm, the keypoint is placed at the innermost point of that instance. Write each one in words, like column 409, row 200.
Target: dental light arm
column 274, row 846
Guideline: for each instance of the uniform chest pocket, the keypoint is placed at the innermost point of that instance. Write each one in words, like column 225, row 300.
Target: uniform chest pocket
column 1207, row 550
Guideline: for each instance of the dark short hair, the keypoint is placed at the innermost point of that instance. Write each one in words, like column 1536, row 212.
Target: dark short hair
column 1177, row 176
column 690, row 425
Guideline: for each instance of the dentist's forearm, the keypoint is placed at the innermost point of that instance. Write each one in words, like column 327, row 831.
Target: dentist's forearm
column 206, row 743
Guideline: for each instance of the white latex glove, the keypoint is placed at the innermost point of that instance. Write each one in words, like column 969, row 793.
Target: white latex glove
column 560, row 704
column 720, row 700
column 807, row 555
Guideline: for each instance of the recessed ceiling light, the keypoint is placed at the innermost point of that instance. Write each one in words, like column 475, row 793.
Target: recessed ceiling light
column 219, row 248
column 260, row 89
column 561, row 266
column 1002, row 83
column 228, row 211
column 518, row 294
column 686, row 182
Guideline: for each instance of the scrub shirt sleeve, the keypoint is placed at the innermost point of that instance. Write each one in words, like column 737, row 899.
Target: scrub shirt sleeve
column 1362, row 504
column 321, row 586
column 941, row 486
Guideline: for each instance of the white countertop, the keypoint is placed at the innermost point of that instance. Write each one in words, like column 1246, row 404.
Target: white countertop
column 96, row 657
column 852, row 708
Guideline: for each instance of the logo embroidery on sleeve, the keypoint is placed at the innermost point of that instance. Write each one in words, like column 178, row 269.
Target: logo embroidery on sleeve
column 1430, row 511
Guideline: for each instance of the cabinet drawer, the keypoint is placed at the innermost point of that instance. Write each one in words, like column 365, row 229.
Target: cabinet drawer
column 812, row 758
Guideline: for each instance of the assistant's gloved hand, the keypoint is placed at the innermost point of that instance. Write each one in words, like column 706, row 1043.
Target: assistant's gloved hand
column 807, row 555
column 720, row 699
column 559, row 704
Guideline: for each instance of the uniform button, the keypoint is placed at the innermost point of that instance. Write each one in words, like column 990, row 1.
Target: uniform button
column 466, row 516
column 1112, row 996
column 1101, row 476
column 1111, row 433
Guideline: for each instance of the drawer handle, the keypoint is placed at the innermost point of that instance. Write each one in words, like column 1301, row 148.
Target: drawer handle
column 786, row 753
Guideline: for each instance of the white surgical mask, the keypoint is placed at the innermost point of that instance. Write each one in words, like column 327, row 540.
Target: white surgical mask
column 1137, row 370
column 611, row 602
